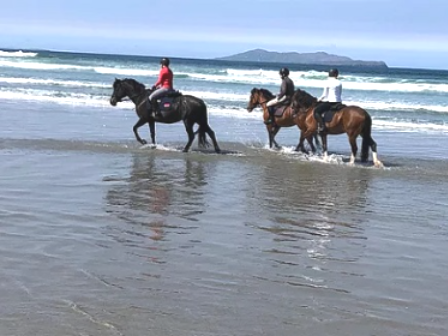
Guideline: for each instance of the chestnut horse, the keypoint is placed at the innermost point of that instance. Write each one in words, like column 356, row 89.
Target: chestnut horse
column 259, row 97
column 189, row 109
column 352, row 120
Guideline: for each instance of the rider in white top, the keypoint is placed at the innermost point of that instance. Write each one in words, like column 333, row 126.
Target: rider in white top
column 331, row 96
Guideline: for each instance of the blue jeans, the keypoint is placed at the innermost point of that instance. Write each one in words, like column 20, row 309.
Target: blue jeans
column 158, row 93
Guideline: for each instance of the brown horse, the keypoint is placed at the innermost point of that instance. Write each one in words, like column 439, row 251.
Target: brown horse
column 259, row 97
column 352, row 120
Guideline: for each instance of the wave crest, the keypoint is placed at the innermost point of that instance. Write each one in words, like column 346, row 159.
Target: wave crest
column 18, row 53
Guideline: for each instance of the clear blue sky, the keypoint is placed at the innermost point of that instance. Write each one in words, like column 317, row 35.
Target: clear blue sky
column 404, row 33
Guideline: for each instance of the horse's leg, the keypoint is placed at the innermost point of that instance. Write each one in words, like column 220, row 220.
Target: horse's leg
column 324, row 146
column 205, row 128
column 139, row 123
column 212, row 136
column 376, row 162
column 354, row 146
column 275, row 130
column 300, row 146
column 190, row 132
column 367, row 141
column 310, row 141
column 152, row 130
column 316, row 138
column 269, row 129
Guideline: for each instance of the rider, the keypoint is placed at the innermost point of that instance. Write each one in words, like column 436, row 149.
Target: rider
column 163, row 85
column 286, row 92
column 330, row 97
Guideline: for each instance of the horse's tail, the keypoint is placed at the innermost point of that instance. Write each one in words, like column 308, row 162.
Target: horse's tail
column 366, row 138
column 202, row 138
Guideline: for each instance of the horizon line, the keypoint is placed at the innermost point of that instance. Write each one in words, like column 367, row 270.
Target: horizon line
column 212, row 59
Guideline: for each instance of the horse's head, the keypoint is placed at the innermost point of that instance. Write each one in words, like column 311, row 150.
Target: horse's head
column 119, row 92
column 258, row 97
column 302, row 100
column 125, row 88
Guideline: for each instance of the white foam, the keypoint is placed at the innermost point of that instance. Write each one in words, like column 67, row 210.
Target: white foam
column 79, row 99
column 394, row 106
column 18, row 53
column 406, row 126
column 125, row 71
column 40, row 66
column 315, row 79
column 35, row 81
column 49, row 97
column 258, row 77
column 206, row 95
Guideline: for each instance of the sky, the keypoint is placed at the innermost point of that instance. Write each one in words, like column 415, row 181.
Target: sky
column 403, row 33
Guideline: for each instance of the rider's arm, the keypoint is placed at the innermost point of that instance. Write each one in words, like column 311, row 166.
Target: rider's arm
column 283, row 90
column 324, row 94
column 160, row 79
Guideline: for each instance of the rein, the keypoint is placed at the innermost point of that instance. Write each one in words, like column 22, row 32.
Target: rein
column 136, row 95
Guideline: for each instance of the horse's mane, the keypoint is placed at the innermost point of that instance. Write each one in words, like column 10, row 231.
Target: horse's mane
column 303, row 98
column 137, row 86
column 264, row 92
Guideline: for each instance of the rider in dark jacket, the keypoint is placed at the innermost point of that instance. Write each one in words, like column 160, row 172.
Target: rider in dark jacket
column 286, row 92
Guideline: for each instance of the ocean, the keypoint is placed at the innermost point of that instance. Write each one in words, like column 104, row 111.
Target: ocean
column 102, row 236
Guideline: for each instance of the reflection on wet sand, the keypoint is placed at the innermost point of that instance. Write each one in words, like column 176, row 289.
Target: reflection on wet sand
column 312, row 213
column 157, row 192
column 327, row 191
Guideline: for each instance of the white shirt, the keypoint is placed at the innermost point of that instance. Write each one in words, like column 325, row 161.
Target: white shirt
column 332, row 91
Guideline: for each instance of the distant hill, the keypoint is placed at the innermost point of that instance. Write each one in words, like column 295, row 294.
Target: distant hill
column 317, row 58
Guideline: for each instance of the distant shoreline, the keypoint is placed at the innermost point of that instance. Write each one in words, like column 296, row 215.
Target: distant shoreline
column 316, row 58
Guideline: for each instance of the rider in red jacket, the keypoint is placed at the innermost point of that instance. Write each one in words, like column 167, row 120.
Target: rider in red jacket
column 163, row 85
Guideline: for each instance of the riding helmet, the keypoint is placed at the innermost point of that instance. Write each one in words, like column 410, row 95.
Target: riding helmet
column 284, row 72
column 165, row 61
column 333, row 73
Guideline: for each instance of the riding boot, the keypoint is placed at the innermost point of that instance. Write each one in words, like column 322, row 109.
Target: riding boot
column 320, row 123
column 271, row 110
column 155, row 108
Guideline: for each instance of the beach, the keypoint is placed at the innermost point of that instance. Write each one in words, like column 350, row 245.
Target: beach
column 102, row 236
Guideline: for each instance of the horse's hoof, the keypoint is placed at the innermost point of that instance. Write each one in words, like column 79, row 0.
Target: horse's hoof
column 144, row 142
column 379, row 164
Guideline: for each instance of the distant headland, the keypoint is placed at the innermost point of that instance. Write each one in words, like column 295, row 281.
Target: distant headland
column 316, row 58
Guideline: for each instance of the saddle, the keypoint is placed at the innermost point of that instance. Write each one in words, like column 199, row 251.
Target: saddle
column 328, row 115
column 281, row 107
column 165, row 102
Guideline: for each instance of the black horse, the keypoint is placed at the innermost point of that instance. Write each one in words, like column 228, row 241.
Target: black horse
column 191, row 110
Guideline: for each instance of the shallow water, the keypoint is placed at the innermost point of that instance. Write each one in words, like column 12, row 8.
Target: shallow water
column 107, row 238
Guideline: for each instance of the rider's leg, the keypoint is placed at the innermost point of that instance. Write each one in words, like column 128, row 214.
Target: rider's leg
column 271, row 109
column 318, row 111
column 153, row 100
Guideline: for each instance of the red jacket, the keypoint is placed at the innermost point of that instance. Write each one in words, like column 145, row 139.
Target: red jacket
column 165, row 78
